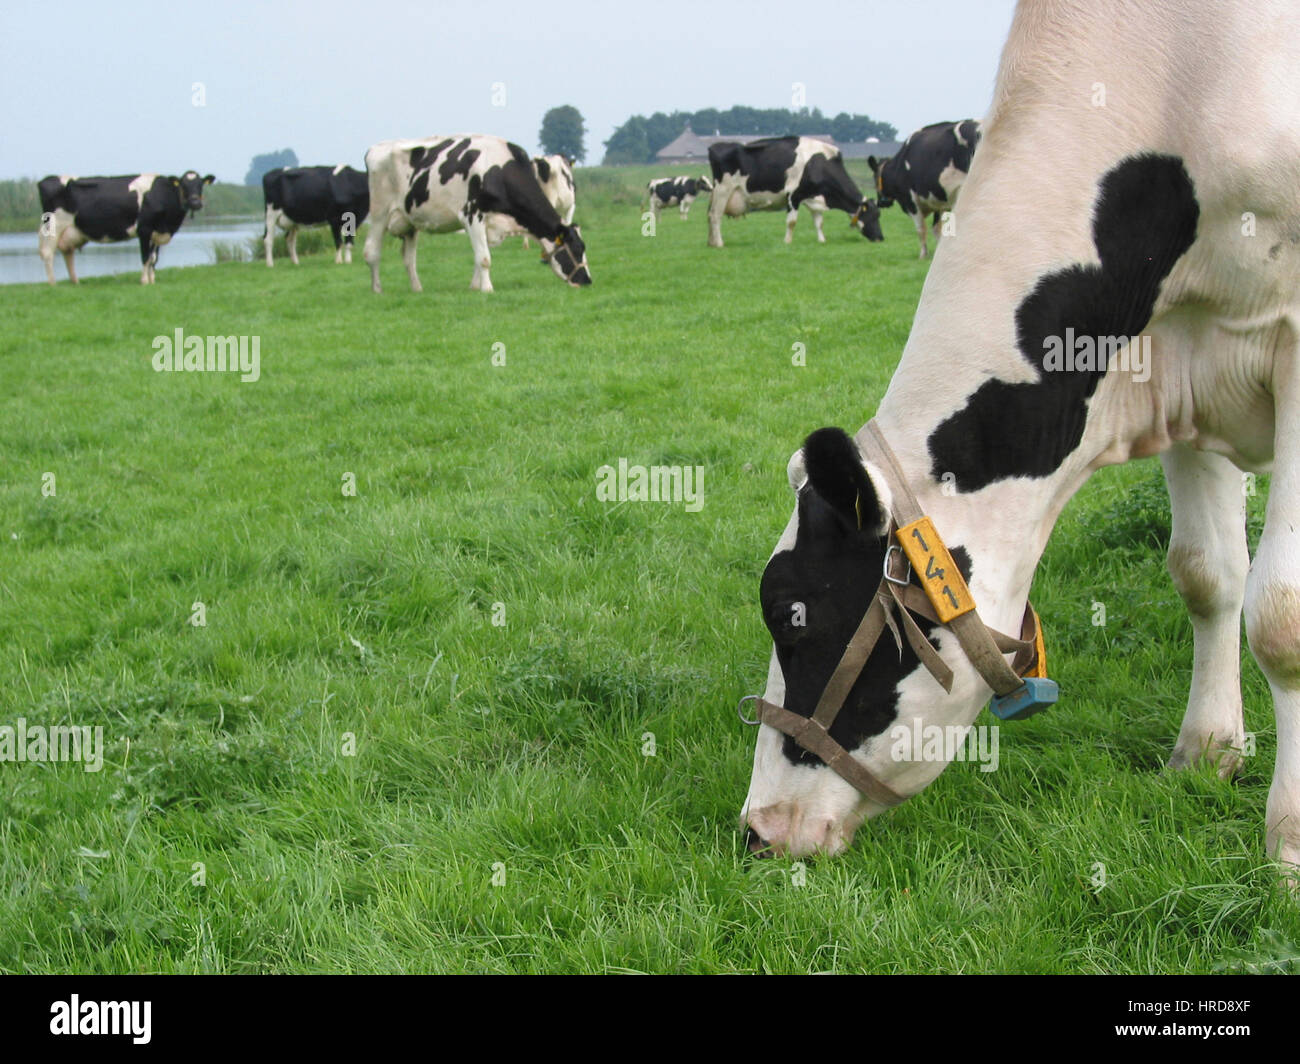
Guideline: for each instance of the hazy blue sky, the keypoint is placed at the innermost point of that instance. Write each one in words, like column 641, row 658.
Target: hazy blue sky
column 101, row 88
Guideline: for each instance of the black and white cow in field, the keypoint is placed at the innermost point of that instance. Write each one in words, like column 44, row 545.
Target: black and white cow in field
column 1149, row 306
column 442, row 184
column 337, row 196
column 77, row 210
column 784, row 173
column 678, row 192
column 927, row 173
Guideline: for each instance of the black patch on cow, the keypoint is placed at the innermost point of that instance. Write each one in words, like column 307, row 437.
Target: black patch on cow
column 1144, row 220
column 827, row 178
column 457, row 162
column 765, row 162
column 543, row 169
column 832, row 572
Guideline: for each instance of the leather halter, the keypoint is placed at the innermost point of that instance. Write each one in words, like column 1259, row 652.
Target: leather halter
column 943, row 598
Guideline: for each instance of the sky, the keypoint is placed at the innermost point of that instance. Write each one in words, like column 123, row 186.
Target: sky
column 118, row 88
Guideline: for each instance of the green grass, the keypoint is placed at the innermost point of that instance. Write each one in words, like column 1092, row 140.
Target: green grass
column 517, row 750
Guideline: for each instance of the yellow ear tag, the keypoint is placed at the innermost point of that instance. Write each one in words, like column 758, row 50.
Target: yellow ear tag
column 1039, row 667
column 559, row 240
column 941, row 580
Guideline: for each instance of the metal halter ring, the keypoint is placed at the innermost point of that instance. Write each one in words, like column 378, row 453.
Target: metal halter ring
column 741, row 713
column 885, row 569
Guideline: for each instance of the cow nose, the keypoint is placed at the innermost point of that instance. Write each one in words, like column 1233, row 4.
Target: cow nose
column 757, row 844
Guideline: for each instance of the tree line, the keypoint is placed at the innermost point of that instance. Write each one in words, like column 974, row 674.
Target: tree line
column 639, row 138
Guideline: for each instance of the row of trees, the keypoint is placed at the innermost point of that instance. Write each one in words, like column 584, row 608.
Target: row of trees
column 637, row 139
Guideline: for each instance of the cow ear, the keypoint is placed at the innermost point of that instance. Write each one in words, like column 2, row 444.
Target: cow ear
column 836, row 472
column 210, row 179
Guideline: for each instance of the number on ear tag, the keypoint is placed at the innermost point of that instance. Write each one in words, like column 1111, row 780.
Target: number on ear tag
column 940, row 578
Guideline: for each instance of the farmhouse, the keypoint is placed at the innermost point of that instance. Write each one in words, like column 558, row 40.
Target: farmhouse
column 692, row 149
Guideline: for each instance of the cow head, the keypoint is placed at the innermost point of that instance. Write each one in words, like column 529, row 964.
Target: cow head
column 189, row 187
column 878, row 169
column 704, row 184
column 867, row 219
column 567, row 256
column 815, row 591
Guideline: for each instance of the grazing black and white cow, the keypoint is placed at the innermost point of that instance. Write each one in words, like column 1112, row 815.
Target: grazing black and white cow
column 927, row 173
column 678, row 192
column 783, row 173
column 77, row 210
column 1150, row 305
column 337, row 196
column 442, row 184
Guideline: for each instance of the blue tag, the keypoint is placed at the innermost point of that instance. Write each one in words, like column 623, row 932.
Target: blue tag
column 1034, row 696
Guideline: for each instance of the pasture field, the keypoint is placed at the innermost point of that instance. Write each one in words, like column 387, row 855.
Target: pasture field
column 352, row 768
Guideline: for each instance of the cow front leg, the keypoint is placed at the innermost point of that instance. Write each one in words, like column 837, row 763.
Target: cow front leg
column 147, row 252
column 717, row 204
column 791, row 219
column 1208, row 561
column 69, row 256
column 336, row 230
column 1273, row 612
column 408, row 259
column 817, row 223
column 268, row 234
column 372, row 250
column 48, row 241
column 478, row 242
column 291, row 243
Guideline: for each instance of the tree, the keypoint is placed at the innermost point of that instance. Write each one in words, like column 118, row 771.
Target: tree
column 562, row 133
column 629, row 144
column 262, row 163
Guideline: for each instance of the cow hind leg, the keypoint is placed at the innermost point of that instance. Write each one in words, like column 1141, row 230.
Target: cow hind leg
column 791, row 219
column 1208, row 561
column 69, row 257
column 291, row 243
column 268, row 234
column 1273, row 613
column 717, row 204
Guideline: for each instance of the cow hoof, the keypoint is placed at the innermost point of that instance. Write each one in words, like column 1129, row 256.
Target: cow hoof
column 1225, row 758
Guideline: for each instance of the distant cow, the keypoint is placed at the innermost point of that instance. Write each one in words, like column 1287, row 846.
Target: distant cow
column 315, row 195
column 679, row 192
column 77, row 210
column 447, row 183
column 783, row 173
column 928, row 171
column 555, row 175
